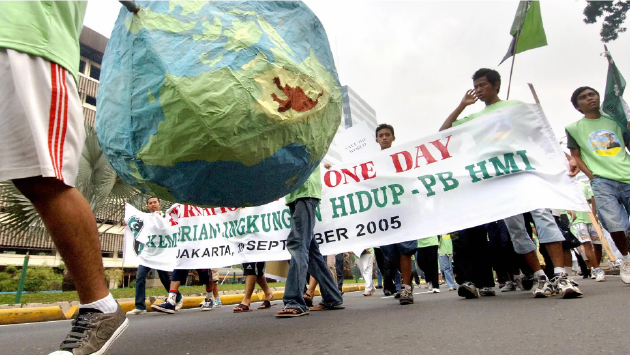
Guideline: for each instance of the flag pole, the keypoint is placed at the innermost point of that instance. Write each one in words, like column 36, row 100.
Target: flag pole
column 518, row 34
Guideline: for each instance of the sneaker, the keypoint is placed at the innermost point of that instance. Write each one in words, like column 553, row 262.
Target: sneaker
column 509, row 286
column 93, row 332
column 207, row 304
column 528, row 282
column 600, row 276
column 387, row 292
column 565, row 288
column 179, row 304
column 406, row 295
column 217, row 302
column 572, row 281
column 468, row 290
column 165, row 307
column 593, row 274
column 435, row 290
column 487, row 291
column 625, row 271
column 544, row 288
column 397, row 295
column 518, row 282
column 136, row 311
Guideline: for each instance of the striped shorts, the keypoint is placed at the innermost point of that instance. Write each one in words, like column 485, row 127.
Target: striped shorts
column 41, row 120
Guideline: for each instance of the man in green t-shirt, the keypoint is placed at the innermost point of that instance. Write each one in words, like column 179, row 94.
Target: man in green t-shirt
column 598, row 145
column 487, row 84
column 42, row 138
column 398, row 255
column 305, row 255
column 445, row 258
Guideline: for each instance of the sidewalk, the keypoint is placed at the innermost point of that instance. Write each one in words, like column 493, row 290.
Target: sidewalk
column 40, row 312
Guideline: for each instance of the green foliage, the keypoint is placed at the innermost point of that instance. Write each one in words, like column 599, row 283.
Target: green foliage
column 132, row 284
column 10, row 269
column 37, row 279
column 8, row 285
column 614, row 13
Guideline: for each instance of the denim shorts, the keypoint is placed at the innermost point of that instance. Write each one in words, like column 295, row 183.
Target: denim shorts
column 613, row 202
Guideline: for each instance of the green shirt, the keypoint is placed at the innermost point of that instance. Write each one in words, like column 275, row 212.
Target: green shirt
column 487, row 110
column 47, row 29
column 446, row 245
column 582, row 217
column 427, row 242
column 311, row 188
column 601, row 147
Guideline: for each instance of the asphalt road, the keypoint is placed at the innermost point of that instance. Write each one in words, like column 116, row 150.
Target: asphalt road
column 510, row 323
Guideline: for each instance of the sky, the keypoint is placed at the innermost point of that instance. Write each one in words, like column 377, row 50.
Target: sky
column 412, row 61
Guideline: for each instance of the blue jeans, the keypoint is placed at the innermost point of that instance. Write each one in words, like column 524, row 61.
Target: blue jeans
column 141, row 281
column 446, row 267
column 379, row 277
column 305, row 257
column 613, row 203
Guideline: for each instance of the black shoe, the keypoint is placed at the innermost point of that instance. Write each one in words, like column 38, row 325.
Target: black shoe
column 379, row 287
column 468, row 290
column 387, row 292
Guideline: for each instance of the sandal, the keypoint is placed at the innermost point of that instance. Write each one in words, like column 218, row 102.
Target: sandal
column 291, row 312
column 266, row 304
column 321, row 307
column 308, row 299
column 241, row 308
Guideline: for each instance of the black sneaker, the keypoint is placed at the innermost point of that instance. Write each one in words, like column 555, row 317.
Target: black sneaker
column 406, row 295
column 93, row 332
column 468, row 290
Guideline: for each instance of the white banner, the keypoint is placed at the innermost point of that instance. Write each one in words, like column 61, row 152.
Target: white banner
column 502, row 164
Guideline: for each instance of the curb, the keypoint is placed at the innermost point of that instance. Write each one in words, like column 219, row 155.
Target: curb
column 53, row 313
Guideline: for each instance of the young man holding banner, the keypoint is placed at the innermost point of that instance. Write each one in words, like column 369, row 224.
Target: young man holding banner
column 487, row 83
column 305, row 255
column 397, row 256
column 597, row 144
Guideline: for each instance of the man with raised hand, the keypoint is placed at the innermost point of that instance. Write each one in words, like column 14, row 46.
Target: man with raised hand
column 598, row 145
column 487, row 84
column 42, row 138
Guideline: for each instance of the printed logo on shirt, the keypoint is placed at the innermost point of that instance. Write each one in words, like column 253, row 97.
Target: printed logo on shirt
column 605, row 143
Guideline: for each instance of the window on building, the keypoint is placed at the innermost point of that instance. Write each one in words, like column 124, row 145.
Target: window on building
column 95, row 72
column 82, row 66
column 90, row 100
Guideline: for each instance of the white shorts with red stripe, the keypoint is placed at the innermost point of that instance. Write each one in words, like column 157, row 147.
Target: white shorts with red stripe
column 41, row 120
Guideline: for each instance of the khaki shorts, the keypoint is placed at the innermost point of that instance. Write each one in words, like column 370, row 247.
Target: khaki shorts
column 41, row 117
column 215, row 275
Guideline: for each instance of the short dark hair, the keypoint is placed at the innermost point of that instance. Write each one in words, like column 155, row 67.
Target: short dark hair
column 385, row 126
column 491, row 75
column 577, row 92
column 150, row 197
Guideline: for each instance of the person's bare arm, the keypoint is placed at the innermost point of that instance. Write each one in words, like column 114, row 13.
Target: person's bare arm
column 575, row 153
column 468, row 99
column 573, row 167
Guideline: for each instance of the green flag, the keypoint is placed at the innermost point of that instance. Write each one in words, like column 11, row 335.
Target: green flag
column 614, row 104
column 532, row 34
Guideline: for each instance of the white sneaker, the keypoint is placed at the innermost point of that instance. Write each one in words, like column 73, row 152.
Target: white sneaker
column 136, row 311
column 593, row 274
column 625, row 272
column 518, row 282
column 179, row 304
column 509, row 286
column 600, row 276
column 436, row 290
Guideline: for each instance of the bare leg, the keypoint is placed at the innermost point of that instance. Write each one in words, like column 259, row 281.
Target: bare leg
column 174, row 286
column 620, row 241
column 590, row 254
column 532, row 260
column 405, row 269
column 71, row 224
column 215, row 289
column 556, row 253
column 250, row 283
column 311, row 287
column 567, row 257
column 598, row 253
column 262, row 281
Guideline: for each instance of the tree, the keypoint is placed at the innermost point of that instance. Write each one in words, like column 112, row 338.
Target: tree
column 96, row 180
column 614, row 13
